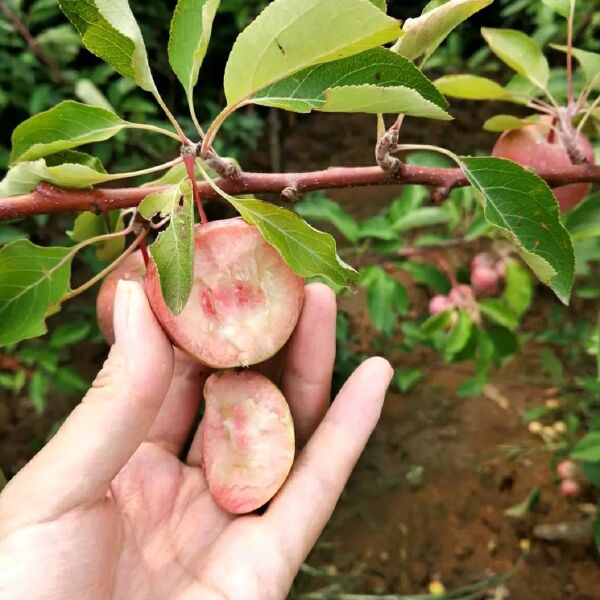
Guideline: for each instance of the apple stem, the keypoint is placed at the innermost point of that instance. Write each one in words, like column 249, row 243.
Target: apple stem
column 189, row 161
column 144, row 249
column 552, row 132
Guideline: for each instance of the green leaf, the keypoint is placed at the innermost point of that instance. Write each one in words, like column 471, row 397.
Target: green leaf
column 61, row 43
column 501, row 123
column 289, row 36
column 424, row 34
column 518, row 289
column 505, row 343
column 160, row 203
column 373, row 99
column 520, row 53
column 38, row 390
column 3, row 480
column 471, row 87
column 33, row 279
column 421, row 217
column 109, row 30
column 24, row 176
column 173, row 250
column 386, row 298
column 459, row 335
column 589, row 61
column 87, row 91
column 583, row 222
column 436, row 323
column 69, row 381
column 592, row 472
column 405, row 379
column 562, row 7
column 499, row 312
column 320, row 208
column 307, row 251
column 178, row 172
column 518, row 202
column 88, row 225
column 380, row 4
column 307, row 90
column 428, row 275
column 66, row 125
column 552, row 366
column 69, row 333
column 188, row 40
column 378, row 227
column 522, row 508
column 588, row 448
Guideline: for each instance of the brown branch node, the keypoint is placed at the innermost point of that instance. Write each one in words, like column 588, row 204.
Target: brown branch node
column 291, row 194
column 386, row 146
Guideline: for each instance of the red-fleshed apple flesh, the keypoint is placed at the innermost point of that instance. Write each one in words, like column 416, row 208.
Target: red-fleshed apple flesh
column 247, row 440
column 245, row 300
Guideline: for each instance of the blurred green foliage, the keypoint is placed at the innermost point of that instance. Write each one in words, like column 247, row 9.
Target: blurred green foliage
column 42, row 62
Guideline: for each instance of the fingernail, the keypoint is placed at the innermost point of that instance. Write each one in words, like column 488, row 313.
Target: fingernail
column 122, row 315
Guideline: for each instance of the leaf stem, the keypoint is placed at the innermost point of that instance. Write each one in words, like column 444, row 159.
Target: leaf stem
column 155, row 129
column 585, row 93
column 542, row 107
column 412, row 147
column 88, row 284
column 587, row 115
column 190, row 163
column 180, row 134
column 208, row 140
column 192, row 110
column 147, row 171
column 570, row 21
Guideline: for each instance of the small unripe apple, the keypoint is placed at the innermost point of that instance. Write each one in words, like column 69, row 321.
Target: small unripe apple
column 483, row 260
column 485, row 281
column 569, row 488
column 247, row 440
column 245, row 300
column 461, row 295
column 132, row 269
column 566, row 469
column 530, row 146
column 439, row 304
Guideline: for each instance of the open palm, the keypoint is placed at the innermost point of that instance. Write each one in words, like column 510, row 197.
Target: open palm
column 109, row 510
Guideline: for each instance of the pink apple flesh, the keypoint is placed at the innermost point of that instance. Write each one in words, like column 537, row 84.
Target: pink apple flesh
column 245, row 301
column 247, row 440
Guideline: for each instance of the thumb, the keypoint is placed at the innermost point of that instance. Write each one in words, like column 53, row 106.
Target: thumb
column 102, row 433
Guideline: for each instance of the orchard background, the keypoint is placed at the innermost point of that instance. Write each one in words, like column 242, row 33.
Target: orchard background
column 464, row 491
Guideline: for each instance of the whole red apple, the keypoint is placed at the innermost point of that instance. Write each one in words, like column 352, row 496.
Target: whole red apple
column 133, row 269
column 533, row 146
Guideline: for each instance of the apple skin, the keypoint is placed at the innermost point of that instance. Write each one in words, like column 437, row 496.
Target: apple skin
column 485, row 281
column 248, row 442
column 569, row 488
column 566, row 469
column 439, row 304
column 132, row 269
column 529, row 146
column 245, row 300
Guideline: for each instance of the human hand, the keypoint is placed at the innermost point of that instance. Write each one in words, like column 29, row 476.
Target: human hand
column 107, row 510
